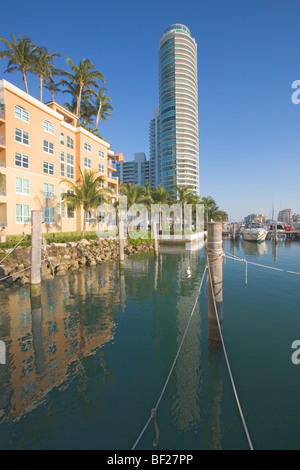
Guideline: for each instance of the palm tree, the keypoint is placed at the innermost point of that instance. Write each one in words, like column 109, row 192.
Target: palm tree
column 43, row 66
column 103, row 106
column 212, row 211
column 161, row 196
column 53, row 87
column 184, row 194
column 20, row 55
column 86, row 193
column 83, row 77
column 135, row 194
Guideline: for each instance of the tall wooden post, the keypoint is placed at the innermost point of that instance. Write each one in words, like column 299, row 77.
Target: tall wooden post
column 121, row 239
column 36, row 253
column 155, row 240
column 215, row 283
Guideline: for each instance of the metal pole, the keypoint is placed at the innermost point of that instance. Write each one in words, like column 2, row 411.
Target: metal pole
column 215, row 285
column 36, row 253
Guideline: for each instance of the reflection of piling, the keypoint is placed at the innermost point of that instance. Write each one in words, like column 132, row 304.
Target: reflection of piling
column 36, row 253
column 215, row 284
column 122, row 291
column 38, row 338
column 214, row 393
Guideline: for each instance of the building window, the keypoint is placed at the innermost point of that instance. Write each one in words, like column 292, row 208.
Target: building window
column 87, row 163
column 101, row 184
column 101, row 153
column 70, row 166
column 48, row 127
column 70, row 142
column 22, row 186
column 88, row 217
column 21, row 113
column 62, row 204
column 62, row 164
column 21, row 136
column 21, row 160
column 87, row 146
column 48, row 191
column 48, row 168
column 22, row 214
column 48, row 147
column 62, row 138
column 101, row 168
column 49, row 217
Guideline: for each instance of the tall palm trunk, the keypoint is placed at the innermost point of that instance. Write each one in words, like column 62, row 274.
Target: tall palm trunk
column 79, row 101
column 84, row 223
column 25, row 80
column 98, row 116
column 41, row 88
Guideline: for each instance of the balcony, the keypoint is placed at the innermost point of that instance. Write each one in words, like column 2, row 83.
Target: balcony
column 2, row 140
column 2, row 164
column 2, row 112
column 3, row 193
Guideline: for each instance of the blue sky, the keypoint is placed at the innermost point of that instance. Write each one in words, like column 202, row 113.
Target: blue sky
column 248, row 57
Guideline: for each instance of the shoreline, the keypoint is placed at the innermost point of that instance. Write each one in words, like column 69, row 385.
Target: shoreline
column 59, row 258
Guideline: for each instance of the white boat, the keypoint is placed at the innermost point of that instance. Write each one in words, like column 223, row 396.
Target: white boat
column 254, row 232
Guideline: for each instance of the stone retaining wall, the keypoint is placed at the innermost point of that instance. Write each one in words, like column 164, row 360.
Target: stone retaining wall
column 58, row 258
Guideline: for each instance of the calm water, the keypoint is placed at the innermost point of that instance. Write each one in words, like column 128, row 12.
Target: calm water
column 85, row 367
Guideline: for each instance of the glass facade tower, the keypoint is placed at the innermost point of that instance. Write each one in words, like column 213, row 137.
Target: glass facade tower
column 178, row 107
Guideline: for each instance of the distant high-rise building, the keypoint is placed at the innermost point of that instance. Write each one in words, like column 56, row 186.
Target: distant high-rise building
column 154, row 133
column 285, row 216
column 134, row 172
column 178, row 109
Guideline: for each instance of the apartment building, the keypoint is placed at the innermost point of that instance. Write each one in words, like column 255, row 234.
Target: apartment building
column 40, row 144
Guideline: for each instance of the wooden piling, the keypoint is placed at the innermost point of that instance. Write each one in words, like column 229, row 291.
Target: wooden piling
column 155, row 240
column 121, row 239
column 215, row 285
column 36, row 253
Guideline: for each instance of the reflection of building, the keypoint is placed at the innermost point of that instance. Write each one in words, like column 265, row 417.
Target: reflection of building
column 47, row 344
column 39, row 145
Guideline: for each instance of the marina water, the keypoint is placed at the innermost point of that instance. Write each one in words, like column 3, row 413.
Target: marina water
column 85, row 366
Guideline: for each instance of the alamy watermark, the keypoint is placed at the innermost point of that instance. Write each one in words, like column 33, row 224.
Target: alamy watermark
column 296, row 94
column 296, row 354
column 171, row 221
column 2, row 353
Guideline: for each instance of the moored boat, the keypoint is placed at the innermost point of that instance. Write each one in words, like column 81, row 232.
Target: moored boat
column 254, row 232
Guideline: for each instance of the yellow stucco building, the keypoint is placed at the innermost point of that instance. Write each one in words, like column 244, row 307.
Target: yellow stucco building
column 40, row 144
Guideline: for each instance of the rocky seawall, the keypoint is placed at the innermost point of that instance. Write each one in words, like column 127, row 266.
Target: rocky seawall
column 58, row 258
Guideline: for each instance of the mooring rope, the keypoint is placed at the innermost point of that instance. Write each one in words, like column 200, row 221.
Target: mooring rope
column 154, row 410
column 227, row 362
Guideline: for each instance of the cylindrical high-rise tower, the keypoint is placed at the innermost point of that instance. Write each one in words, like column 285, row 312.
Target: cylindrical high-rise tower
column 178, row 101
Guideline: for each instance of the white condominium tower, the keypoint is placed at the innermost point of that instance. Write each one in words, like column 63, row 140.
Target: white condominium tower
column 178, row 109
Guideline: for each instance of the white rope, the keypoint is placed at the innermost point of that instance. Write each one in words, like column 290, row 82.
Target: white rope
column 154, row 410
column 13, row 248
column 227, row 362
column 225, row 254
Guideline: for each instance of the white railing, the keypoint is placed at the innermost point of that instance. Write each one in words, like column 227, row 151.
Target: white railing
column 2, row 139
column 2, row 164
column 2, row 193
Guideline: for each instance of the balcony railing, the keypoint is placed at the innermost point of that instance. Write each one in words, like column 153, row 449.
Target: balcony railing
column 3, row 224
column 2, row 164
column 2, row 139
column 3, row 193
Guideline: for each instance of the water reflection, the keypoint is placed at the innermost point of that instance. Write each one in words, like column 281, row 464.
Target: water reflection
column 254, row 248
column 45, row 336
column 55, row 343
